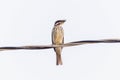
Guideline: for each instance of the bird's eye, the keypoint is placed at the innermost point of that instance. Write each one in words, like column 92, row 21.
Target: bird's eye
column 58, row 23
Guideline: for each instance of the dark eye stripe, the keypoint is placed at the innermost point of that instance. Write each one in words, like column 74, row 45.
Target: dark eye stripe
column 57, row 23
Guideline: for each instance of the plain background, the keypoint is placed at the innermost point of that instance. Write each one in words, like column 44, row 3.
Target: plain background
column 29, row 22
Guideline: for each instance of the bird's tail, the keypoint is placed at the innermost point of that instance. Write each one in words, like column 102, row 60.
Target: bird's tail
column 58, row 59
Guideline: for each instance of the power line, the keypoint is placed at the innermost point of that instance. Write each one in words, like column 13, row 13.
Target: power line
column 75, row 43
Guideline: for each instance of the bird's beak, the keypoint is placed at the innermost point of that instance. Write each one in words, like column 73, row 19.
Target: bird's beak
column 64, row 20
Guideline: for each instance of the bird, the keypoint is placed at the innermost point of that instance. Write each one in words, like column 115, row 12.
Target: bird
column 58, row 39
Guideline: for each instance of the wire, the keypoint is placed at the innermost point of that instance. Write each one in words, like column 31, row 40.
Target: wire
column 75, row 43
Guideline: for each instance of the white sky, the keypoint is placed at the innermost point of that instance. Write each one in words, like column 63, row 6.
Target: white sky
column 29, row 22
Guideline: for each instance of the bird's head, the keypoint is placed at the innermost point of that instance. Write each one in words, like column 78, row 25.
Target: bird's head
column 59, row 22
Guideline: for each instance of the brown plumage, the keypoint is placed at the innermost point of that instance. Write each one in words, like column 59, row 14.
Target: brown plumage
column 58, row 39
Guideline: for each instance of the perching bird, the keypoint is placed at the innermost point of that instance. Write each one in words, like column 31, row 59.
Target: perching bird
column 58, row 39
